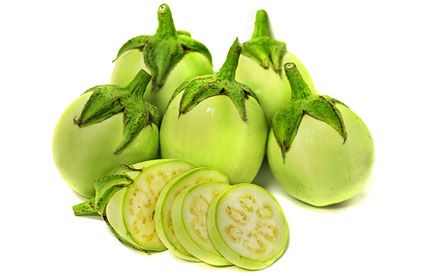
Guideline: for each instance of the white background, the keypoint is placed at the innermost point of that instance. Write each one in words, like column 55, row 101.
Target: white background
column 376, row 56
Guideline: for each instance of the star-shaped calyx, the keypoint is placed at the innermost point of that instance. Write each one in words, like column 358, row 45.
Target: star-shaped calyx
column 221, row 83
column 105, row 188
column 163, row 50
column 262, row 47
column 109, row 100
column 287, row 120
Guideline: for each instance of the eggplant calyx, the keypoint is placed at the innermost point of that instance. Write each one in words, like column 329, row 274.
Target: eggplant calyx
column 262, row 47
column 222, row 83
column 163, row 50
column 105, row 188
column 138, row 42
column 287, row 120
column 109, row 100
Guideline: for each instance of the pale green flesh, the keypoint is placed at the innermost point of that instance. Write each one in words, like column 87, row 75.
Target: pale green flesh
column 113, row 210
column 272, row 88
column 140, row 201
column 162, row 216
column 85, row 154
column 213, row 135
column 191, row 65
column 319, row 168
column 189, row 217
column 114, row 217
column 247, row 226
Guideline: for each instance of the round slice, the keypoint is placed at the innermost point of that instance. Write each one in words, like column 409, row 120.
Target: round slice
column 247, row 226
column 162, row 215
column 113, row 210
column 114, row 219
column 140, row 201
column 189, row 215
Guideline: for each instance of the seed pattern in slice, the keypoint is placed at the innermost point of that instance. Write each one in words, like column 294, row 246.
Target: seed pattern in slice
column 189, row 215
column 140, row 201
column 247, row 226
column 162, row 216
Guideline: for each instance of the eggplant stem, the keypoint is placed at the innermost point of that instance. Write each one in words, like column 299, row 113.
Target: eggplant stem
column 300, row 89
column 228, row 70
column 139, row 84
column 166, row 26
column 261, row 25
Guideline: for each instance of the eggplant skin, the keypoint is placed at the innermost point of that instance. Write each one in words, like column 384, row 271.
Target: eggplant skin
column 319, row 168
column 84, row 154
column 213, row 135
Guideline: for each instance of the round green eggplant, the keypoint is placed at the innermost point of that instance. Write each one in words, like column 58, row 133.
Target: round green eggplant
column 319, row 150
column 93, row 134
column 261, row 67
column 213, row 121
column 171, row 57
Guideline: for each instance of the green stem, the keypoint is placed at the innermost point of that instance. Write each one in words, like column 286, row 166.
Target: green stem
column 139, row 84
column 261, row 26
column 300, row 89
column 228, row 70
column 166, row 26
column 86, row 208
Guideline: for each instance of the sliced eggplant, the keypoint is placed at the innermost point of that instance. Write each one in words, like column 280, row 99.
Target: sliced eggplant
column 189, row 215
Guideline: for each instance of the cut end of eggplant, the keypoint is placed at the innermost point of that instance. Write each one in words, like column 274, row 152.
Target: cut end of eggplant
column 140, row 202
